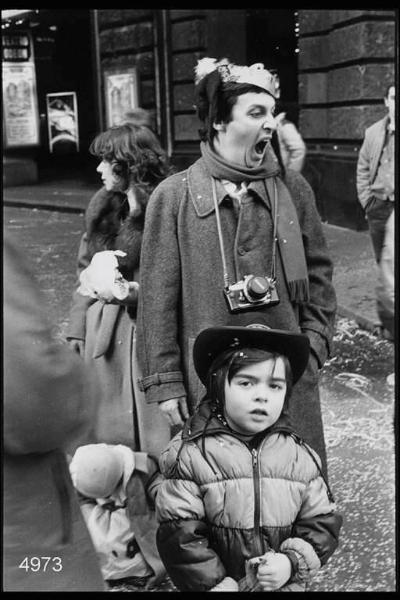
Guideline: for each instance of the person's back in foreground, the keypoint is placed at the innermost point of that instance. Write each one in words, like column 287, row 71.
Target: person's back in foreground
column 244, row 505
column 49, row 403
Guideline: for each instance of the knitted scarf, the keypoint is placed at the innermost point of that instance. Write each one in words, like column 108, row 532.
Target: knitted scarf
column 290, row 241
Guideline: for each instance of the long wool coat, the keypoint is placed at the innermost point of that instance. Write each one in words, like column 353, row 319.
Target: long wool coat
column 181, row 289
column 109, row 333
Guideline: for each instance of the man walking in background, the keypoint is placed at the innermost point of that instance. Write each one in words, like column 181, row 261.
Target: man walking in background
column 375, row 181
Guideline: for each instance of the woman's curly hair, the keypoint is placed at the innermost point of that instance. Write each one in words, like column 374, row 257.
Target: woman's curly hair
column 136, row 153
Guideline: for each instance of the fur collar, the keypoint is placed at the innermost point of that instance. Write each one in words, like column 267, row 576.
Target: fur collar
column 109, row 226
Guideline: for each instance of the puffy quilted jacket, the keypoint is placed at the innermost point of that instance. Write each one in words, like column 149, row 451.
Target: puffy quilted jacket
column 223, row 501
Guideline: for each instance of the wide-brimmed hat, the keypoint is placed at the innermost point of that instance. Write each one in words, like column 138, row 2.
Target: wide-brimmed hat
column 213, row 341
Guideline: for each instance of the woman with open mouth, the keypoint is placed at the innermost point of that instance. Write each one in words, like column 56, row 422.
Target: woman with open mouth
column 233, row 235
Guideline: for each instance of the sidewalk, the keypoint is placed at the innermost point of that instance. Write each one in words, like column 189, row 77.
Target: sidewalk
column 355, row 270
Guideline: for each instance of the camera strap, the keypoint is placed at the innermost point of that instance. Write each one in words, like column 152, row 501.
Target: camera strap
column 274, row 203
column 221, row 241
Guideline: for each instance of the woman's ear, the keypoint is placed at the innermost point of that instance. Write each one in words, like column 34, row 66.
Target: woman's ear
column 219, row 126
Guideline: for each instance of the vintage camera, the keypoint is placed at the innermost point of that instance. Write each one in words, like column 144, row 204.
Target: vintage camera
column 251, row 292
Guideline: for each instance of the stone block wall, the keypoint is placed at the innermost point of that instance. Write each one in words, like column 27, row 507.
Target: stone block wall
column 346, row 62
column 188, row 43
column 127, row 39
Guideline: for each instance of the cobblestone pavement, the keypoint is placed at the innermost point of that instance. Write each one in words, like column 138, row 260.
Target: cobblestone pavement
column 357, row 405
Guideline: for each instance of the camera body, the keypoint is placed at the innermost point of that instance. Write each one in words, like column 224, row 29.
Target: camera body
column 251, row 292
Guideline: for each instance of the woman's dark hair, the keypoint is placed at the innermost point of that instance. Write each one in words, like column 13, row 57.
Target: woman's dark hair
column 136, row 153
column 228, row 363
column 215, row 101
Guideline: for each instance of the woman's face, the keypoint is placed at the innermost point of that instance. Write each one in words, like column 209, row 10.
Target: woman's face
column 111, row 181
column 255, row 396
column 244, row 138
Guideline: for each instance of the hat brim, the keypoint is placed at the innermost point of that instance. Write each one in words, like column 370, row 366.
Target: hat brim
column 213, row 341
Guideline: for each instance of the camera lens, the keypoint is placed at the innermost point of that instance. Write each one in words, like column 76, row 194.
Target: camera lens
column 257, row 287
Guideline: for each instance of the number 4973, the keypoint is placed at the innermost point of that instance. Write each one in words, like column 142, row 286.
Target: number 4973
column 41, row 563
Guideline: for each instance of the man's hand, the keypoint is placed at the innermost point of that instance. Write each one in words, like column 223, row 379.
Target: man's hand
column 273, row 571
column 175, row 410
column 77, row 346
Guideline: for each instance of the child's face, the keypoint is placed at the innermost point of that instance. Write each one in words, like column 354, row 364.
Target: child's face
column 254, row 398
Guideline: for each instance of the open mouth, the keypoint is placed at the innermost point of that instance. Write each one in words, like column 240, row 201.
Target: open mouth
column 259, row 412
column 260, row 146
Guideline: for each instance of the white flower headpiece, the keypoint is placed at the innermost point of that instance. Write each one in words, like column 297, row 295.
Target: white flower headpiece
column 255, row 74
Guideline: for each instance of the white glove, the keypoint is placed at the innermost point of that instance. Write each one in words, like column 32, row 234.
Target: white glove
column 226, row 585
column 102, row 279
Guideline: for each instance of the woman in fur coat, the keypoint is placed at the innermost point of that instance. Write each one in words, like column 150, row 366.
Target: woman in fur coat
column 102, row 318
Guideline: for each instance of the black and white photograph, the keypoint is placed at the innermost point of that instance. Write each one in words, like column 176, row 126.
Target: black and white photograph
column 200, row 328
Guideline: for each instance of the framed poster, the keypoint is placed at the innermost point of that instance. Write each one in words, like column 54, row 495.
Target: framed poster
column 121, row 92
column 20, row 111
column 62, row 122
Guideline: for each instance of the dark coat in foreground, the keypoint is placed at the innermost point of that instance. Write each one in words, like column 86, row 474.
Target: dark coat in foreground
column 47, row 405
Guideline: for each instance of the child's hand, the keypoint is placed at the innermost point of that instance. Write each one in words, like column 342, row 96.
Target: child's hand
column 273, row 571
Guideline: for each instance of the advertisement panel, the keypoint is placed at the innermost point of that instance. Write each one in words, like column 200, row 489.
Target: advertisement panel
column 20, row 111
column 121, row 93
column 62, row 121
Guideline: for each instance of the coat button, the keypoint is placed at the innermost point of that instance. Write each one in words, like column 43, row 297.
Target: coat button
column 241, row 250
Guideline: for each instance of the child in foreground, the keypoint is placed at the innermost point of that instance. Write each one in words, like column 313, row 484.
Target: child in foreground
column 244, row 505
column 115, row 489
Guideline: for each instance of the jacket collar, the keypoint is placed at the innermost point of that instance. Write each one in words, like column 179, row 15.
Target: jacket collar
column 200, row 189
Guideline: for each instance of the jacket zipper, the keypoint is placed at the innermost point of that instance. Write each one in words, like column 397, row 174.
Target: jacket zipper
column 257, row 501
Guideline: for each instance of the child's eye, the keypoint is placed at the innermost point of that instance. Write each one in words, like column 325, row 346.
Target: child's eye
column 276, row 386
column 244, row 383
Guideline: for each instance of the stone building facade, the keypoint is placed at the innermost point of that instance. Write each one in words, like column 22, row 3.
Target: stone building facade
column 345, row 60
column 346, row 63
column 335, row 64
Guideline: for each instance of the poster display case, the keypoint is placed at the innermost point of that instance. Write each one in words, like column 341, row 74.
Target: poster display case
column 121, row 94
column 62, row 120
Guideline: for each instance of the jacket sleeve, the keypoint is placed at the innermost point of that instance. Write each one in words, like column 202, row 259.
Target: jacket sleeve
column 48, row 399
column 364, row 172
column 317, row 316
column 158, row 304
column 182, row 536
column 315, row 532
column 77, row 318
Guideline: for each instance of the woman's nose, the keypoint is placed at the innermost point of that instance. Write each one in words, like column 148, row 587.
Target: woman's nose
column 270, row 123
column 100, row 167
